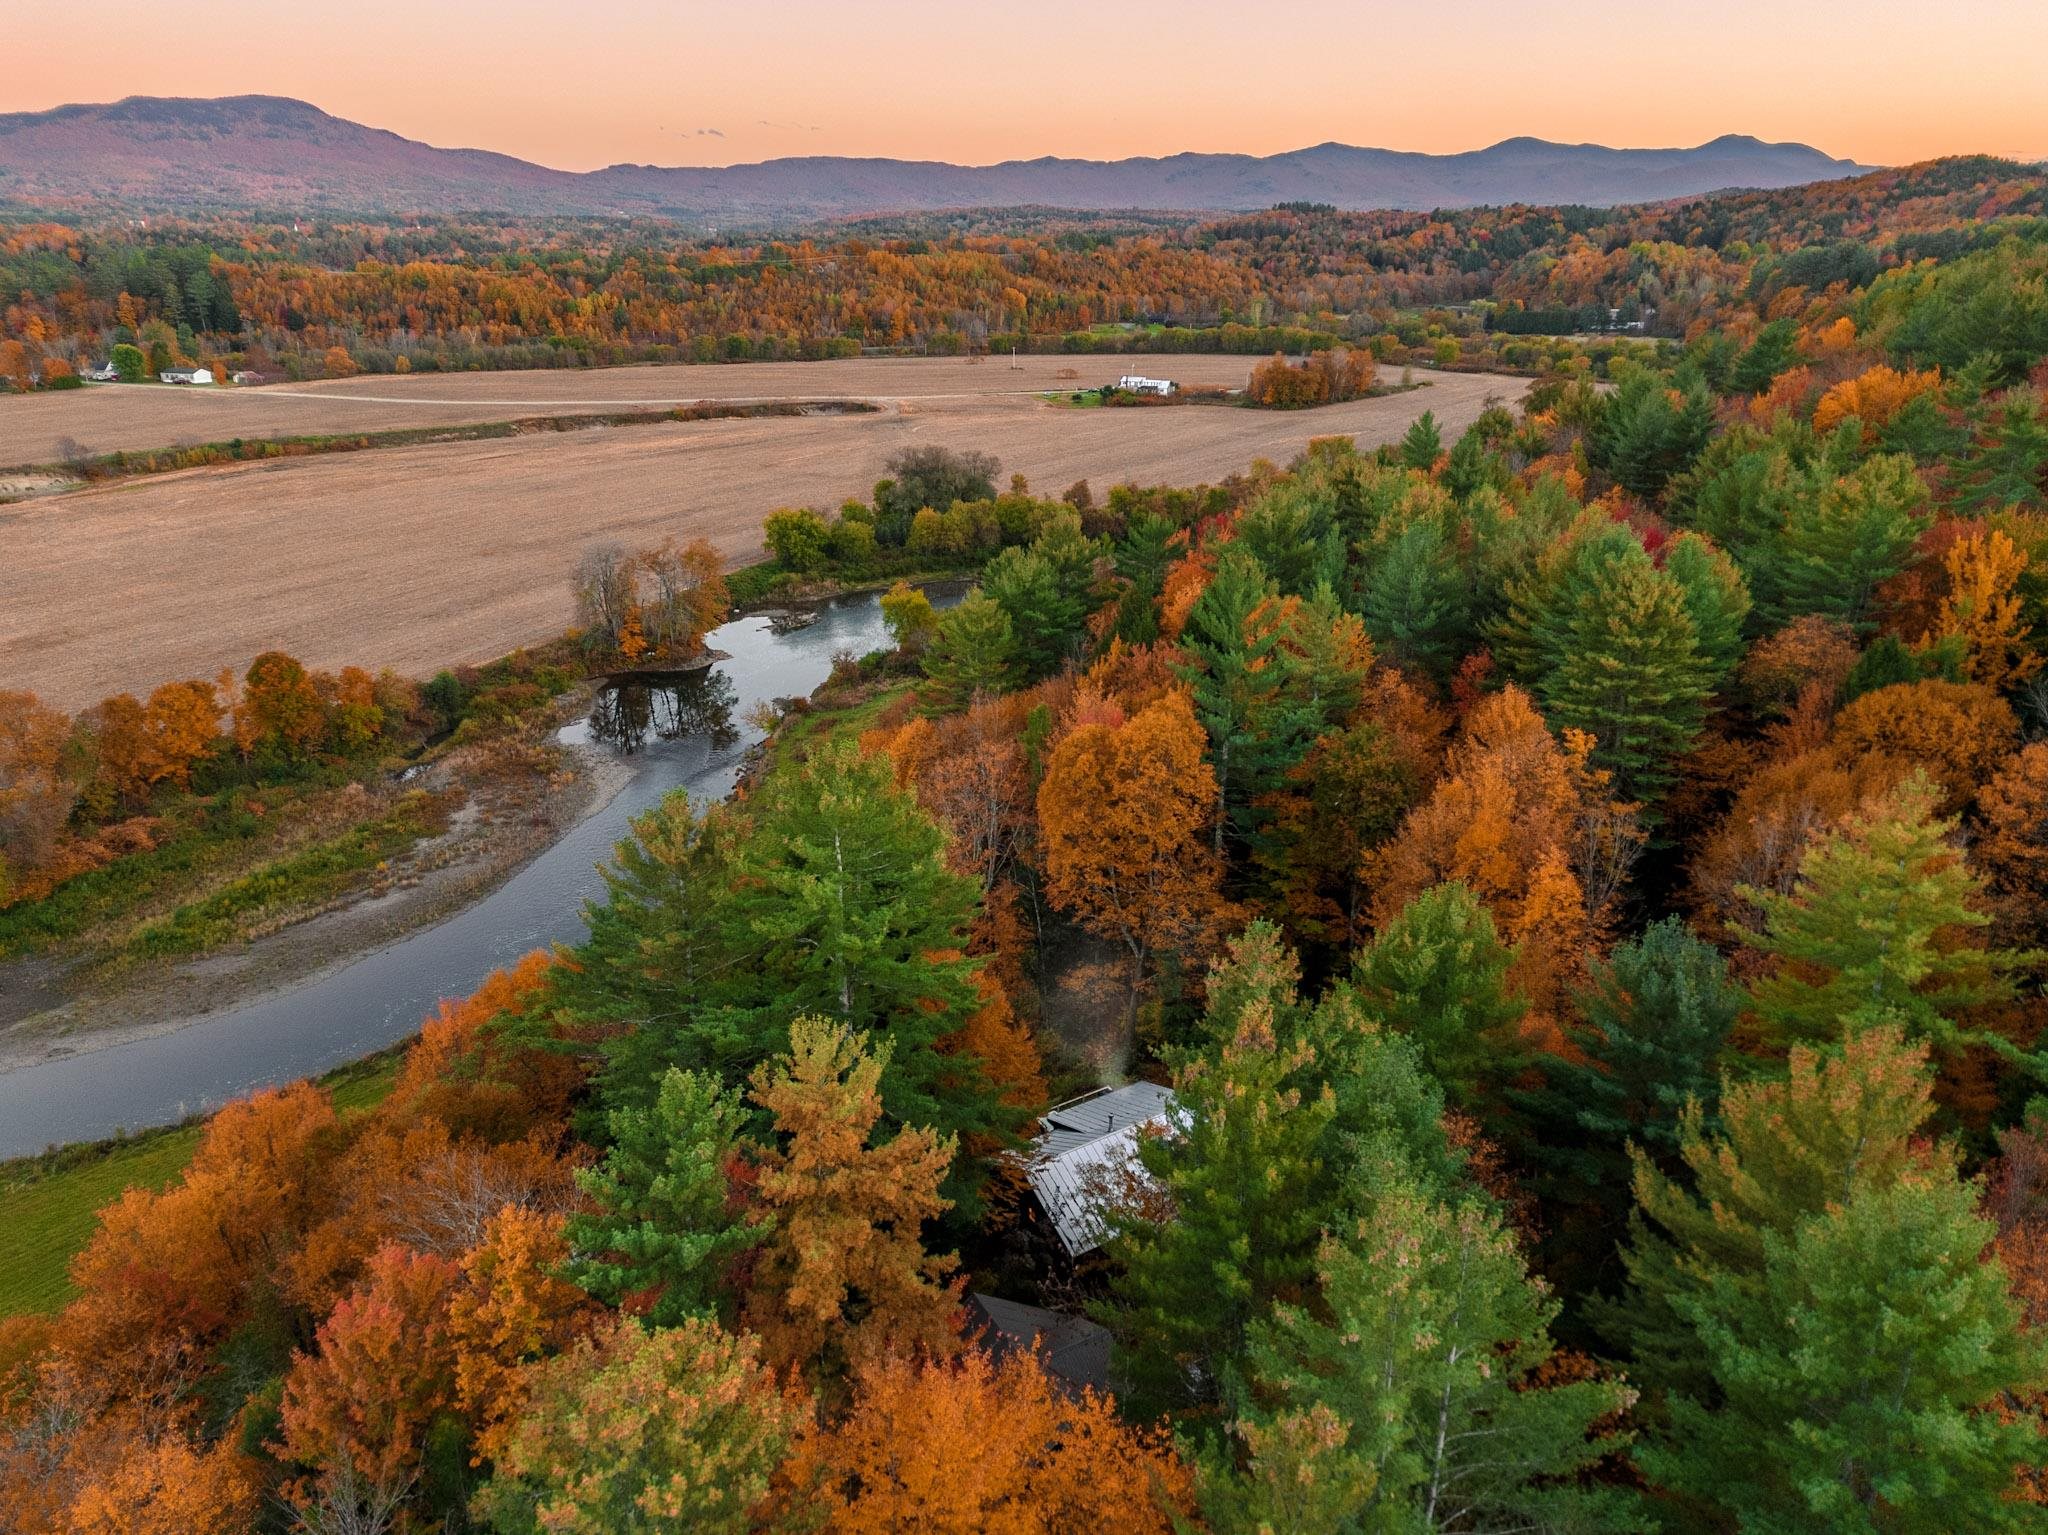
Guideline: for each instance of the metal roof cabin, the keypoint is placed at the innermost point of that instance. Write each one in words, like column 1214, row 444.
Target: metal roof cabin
column 1086, row 1148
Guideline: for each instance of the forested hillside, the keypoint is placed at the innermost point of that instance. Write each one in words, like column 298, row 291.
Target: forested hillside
column 1479, row 285
column 1582, row 882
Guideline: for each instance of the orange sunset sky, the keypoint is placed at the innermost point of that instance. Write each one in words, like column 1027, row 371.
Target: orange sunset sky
column 688, row 83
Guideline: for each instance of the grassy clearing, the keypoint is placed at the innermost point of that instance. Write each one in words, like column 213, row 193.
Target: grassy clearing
column 309, row 877
column 49, row 1205
column 227, row 865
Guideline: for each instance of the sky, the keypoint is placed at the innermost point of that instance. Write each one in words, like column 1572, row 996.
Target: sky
column 679, row 82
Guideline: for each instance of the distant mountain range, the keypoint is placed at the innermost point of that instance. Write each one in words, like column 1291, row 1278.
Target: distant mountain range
column 271, row 152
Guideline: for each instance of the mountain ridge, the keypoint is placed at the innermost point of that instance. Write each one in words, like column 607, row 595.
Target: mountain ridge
column 279, row 152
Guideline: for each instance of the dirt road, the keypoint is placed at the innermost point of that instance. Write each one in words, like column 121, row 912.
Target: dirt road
column 420, row 557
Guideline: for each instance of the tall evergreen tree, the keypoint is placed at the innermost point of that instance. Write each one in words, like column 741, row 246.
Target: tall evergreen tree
column 1716, row 599
column 1423, row 444
column 1422, row 1361
column 1643, row 436
column 1854, row 1376
column 842, row 906
column 1240, row 676
column 1775, row 349
column 973, row 651
column 1632, row 676
column 1840, row 544
column 827, row 891
column 1841, row 1120
column 2009, row 467
column 1654, row 1018
column 1245, row 1181
column 1417, row 602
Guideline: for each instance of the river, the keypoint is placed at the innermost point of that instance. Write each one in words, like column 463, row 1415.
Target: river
column 693, row 737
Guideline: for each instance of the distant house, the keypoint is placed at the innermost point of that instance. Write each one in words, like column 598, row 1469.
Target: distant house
column 1086, row 1158
column 244, row 376
column 103, row 373
column 1073, row 1349
column 186, row 376
column 1137, row 383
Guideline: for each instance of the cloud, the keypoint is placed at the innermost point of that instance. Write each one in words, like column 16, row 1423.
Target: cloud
column 788, row 127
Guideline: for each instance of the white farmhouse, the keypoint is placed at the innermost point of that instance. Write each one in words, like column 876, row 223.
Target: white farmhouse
column 1137, row 383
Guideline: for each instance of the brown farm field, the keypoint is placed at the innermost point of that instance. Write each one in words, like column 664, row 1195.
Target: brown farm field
column 425, row 556
column 42, row 428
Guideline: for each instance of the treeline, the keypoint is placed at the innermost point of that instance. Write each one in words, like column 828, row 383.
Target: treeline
column 580, row 293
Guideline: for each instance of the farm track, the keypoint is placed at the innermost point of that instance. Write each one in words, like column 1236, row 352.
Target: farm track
column 430, row 555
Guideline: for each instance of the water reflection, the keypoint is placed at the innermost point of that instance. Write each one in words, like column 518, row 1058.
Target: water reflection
column 626, row 715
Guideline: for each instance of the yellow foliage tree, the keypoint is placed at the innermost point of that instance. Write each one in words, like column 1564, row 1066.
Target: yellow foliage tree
column 1983, row 609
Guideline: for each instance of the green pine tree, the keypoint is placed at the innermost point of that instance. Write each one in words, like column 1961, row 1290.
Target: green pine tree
column 1846, row 539
column 1642, row 437
column 1854, row 1378
column 2009, row 467
column 662, row 1224
column 1653, row 1021
column 973, row 651
column 842, row 907
column 1417, row 601
column 1775, row 349
column 1863, row 937
column 642, row 980
column 1418, row 1360
column 1437, row 974
column 1632, row 676
column 1786, row 1150
column 1423, row 444
column 1245, row 1180
column 1244, row 681
column 1716, row 599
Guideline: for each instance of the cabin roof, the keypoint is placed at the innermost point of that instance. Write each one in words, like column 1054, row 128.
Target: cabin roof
column 1086, row 1150
column 1074, row 1349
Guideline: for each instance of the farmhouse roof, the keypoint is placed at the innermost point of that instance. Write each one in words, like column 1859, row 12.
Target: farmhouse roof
column 1086, row 1149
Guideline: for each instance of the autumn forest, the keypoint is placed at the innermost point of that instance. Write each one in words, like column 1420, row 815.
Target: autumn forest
column 1582, row 880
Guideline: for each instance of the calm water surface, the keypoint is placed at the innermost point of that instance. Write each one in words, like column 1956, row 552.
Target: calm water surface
column 693, row 736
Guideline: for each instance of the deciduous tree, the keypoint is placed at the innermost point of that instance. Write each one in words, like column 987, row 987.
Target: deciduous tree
column 1122, row 811
column 638, row 1432
column 978, row 1447
column 843, row 1277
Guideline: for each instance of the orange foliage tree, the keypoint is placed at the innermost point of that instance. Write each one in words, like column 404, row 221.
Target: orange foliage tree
column 844, row 1277
column 1873, row 397
column 2012, row 849
column 383, row 1370
column 1121, row 814
column 36, row 792
column 1529, row 828
column 170, row 1488
column 977, row 1447
column 1957, row 732
column 1982, row 608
